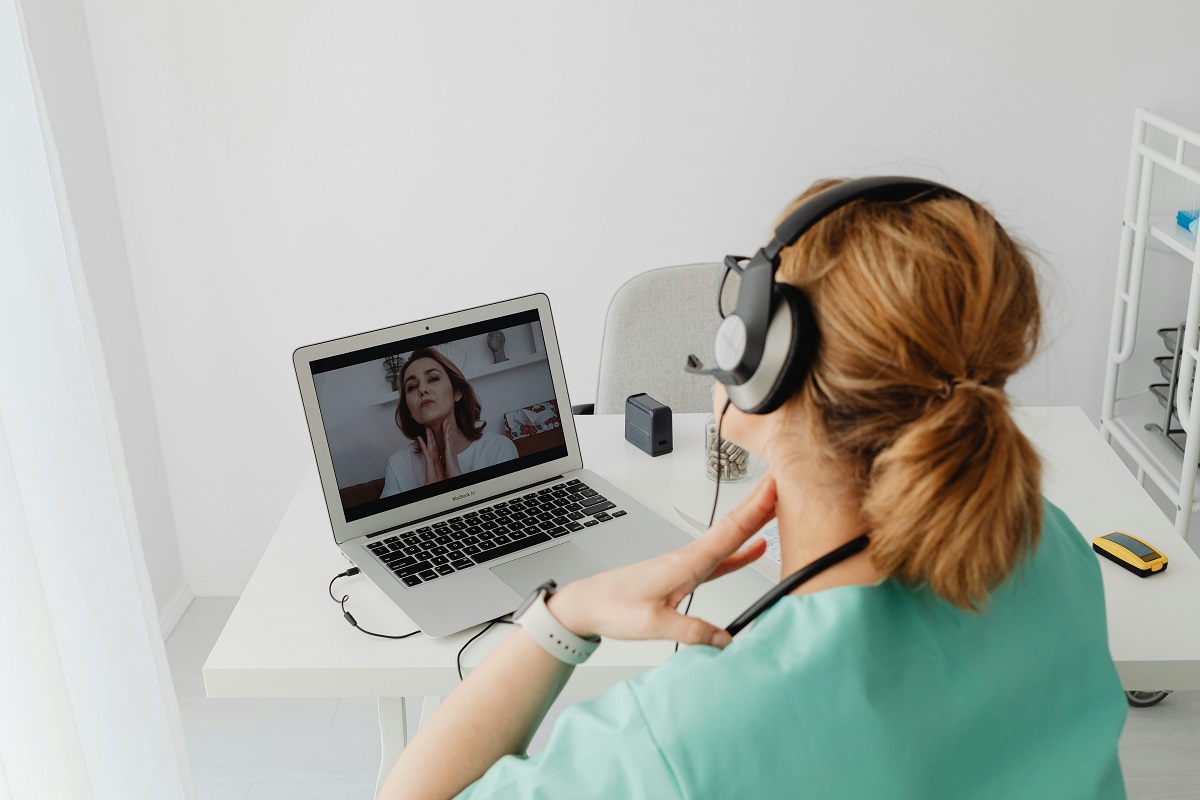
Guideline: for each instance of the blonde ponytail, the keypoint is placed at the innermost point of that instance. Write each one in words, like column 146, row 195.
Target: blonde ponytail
column 955, row 501
column 925, row 309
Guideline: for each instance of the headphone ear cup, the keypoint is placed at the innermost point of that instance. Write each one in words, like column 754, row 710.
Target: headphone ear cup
column 801, row 350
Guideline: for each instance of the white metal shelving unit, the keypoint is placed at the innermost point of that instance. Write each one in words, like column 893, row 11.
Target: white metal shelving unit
column 1124, row 419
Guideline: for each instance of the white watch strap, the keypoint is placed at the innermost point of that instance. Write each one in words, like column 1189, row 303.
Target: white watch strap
column 553, row 636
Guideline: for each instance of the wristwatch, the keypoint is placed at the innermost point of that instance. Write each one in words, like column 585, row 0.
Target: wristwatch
column 548, row 632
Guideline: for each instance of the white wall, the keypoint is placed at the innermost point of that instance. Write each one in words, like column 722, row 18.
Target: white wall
column 291, row 171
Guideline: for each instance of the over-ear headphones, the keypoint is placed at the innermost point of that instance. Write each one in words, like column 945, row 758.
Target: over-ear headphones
column 766, row 345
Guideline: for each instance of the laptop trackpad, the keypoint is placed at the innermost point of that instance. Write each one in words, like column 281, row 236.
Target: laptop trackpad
column 564, row 563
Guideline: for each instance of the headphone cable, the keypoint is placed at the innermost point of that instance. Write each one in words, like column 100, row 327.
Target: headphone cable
column 716, row 494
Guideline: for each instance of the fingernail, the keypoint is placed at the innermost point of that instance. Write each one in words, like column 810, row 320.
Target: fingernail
column 720, row 639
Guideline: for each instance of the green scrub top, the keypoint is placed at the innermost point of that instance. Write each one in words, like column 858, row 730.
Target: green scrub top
column 880, row 691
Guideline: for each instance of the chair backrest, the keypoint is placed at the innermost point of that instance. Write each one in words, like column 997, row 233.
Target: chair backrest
column 654, row 321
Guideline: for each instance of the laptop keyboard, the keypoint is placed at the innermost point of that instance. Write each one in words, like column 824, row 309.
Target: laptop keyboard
column 484, row 534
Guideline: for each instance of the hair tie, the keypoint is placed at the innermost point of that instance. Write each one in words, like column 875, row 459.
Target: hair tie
column 947, row 387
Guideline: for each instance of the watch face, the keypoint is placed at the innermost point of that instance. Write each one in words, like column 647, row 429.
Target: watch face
column 548, row 587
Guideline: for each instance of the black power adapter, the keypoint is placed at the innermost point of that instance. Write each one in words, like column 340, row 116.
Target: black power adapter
column 648, row 424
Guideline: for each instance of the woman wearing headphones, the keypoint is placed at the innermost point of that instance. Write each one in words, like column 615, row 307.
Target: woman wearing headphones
column 963, row 653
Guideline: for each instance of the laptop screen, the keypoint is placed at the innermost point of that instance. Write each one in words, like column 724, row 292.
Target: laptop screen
column 419, row 417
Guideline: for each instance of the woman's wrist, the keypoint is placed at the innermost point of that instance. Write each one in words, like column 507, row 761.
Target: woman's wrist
column 567, row 608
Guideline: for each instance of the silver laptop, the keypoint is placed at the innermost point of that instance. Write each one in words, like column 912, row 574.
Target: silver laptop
column 451, row 469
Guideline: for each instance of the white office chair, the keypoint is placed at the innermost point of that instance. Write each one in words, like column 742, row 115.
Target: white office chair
column 655, row 320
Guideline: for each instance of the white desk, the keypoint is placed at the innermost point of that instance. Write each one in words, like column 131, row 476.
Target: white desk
column 286, row 638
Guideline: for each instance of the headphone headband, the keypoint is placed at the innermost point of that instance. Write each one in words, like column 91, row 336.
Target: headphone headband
column 883, row 189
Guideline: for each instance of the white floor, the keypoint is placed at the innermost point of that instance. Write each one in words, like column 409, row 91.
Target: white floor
column 267, row 749
column 329, row 749
column 325, row 749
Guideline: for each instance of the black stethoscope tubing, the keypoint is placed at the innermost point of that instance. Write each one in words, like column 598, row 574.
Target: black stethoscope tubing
column 850, row 548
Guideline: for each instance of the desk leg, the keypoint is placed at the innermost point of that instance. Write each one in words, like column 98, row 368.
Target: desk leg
column 393, row 734
column 428, row 706
column 393, row 730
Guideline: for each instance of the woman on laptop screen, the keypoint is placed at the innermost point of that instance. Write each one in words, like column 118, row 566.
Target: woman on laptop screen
column 439, row 413
column 956, row 647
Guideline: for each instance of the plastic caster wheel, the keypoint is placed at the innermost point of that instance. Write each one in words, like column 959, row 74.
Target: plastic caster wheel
column 1146, row 699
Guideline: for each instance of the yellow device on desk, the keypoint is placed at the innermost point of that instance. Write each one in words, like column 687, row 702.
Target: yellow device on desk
column 1130, row 552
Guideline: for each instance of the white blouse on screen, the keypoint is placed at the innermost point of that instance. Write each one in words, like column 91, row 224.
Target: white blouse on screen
column 406, row 469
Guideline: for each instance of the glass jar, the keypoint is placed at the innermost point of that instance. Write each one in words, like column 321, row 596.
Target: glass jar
column 731, row 461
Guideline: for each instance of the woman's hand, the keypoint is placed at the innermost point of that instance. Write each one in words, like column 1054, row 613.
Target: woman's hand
column 639, row 601
column 429, row 452
column 450, row 460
